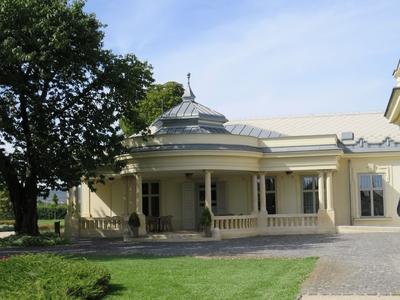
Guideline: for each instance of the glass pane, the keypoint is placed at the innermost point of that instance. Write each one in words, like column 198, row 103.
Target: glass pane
column 271, row 207
column 202, row 197
column 377, row 181
column 213, row 197
column 365, row 182
column 155, row 190
column 378, row 203
column 308, row 203
column 307, row 183
column 155, row 206
column 270, row 183
column 145, row 203
column 145, row 188
column 365, row 203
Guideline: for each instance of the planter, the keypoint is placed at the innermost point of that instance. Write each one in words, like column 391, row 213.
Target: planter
column 207, row 231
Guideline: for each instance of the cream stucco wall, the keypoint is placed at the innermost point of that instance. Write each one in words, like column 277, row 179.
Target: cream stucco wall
column 117, row 197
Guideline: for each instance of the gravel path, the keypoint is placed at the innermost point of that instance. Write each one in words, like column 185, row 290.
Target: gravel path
column 349, row 264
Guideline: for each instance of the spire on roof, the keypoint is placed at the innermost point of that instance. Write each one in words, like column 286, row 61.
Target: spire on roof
column 188, row 94
column 396, row 74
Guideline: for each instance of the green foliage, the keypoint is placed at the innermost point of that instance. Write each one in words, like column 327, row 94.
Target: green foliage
column 206, row 278
column 54, row 200
column 5, row 227
column 47, row 211
column 5, row 204
column 134, row 221
column 47, row 276
column 205, row 219
column 159, row 98
column 61, row 95
column 45, row 239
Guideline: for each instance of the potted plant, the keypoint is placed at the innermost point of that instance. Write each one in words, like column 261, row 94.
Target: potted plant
column 206, row 221
column 134, row 224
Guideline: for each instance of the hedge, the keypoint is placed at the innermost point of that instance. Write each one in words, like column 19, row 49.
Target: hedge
column 48, row 212
column 44, row 239
column 49, row 276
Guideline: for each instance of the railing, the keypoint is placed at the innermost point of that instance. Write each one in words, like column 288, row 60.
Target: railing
column 292, row 220
column 235, row 222
column 105, row 223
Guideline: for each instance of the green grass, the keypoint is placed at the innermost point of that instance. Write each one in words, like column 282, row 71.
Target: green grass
column 138, row 277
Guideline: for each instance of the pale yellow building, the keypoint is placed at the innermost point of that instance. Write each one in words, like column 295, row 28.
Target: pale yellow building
column 290, row 175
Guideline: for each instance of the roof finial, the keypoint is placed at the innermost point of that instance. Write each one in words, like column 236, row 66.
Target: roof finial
column 396, row 74
column 188, row 95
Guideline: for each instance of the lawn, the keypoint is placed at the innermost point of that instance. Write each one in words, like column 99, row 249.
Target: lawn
column 138, row 277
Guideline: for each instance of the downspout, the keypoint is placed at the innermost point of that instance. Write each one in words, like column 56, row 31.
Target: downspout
column 349, row 168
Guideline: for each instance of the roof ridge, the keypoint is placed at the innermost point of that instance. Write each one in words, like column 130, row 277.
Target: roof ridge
column 308, row 116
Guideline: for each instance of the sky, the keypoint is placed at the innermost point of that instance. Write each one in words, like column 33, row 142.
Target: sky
column 259, row 58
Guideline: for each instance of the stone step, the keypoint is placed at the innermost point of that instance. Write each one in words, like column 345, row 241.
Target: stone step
column 366, row 228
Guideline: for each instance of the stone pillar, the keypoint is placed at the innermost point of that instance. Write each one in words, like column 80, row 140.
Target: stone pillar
column 263, row 198
column 139, row 205
column 254, row 194
column 207, row 188
column 321, row 191
column 326, row 218
column 72, row 228
column 329, row 191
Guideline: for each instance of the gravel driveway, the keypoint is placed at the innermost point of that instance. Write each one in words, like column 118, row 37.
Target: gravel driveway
column 350, row 264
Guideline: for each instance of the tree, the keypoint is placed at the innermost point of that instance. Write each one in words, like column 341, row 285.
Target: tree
column 61, row 96
column 54, row 199
column 159, row 98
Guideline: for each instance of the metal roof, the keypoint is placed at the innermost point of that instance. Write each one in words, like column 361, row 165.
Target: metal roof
column 192, row 109
column 244, row 129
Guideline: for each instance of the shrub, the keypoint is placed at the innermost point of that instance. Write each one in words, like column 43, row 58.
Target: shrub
column 205, row 217
column 134, row 220
column 45, row 239
column 46, row 211
column 5, row 227
column 7, row 222
column 48, row 276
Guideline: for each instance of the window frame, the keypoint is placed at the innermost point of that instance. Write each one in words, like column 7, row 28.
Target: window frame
column 202, row 188
column 371, row 191
column 314, row 191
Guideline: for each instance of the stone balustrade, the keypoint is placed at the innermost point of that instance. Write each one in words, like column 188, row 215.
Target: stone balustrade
column 237, row 222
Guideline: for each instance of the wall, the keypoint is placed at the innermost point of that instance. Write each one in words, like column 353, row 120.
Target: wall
column 390, row 169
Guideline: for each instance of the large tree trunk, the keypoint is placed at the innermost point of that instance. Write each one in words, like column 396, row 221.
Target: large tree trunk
column 25, row 209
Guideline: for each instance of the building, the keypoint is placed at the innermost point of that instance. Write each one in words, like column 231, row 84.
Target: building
column 275, row 176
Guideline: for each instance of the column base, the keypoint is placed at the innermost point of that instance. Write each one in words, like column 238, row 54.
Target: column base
column 72, row 228
column 142, row 228
column 326, row 221
column 262, row 222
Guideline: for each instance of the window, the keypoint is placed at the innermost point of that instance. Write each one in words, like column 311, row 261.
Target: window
column 371, row 195
column 202, row 195
column 310, row 194
column 151, row 198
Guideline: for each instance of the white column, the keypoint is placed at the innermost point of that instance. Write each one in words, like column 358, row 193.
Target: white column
column 72, row 200
column 254, row 194
column 139, row 203
column 207, row 187
column 321, row 191
column 263, row 199
column 329, row 191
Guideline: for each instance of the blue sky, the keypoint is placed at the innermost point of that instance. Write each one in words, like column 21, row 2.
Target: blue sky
column 254, row 59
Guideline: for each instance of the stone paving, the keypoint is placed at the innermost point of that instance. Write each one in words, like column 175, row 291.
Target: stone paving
column 349, row 264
